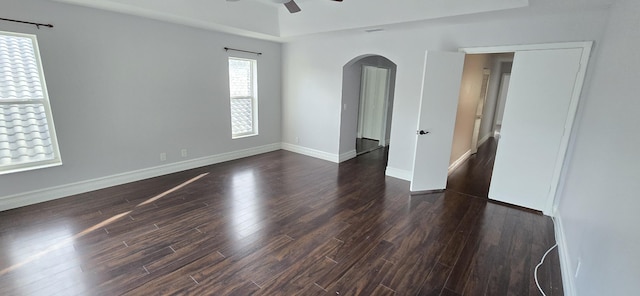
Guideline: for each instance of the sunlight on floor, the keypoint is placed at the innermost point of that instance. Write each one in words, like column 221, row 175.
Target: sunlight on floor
column 246, row 207
column 30, row 249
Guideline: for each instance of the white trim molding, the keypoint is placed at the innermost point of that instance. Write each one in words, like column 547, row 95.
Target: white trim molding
column 484, row 139
column 565, row 263
column 311, row 152
column 398, row 173
column 47, row 194
column 586, row 47
column 459, row 161
column 347, row 155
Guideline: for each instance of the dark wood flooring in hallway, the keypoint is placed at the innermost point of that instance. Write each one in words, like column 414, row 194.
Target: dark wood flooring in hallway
column 364, row 145
column 473, row 176
column 275, row 224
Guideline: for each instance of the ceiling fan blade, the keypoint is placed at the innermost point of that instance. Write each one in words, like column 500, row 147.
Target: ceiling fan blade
column 292, row 7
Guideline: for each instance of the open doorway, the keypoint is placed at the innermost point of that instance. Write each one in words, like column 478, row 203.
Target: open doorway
column 368, row 87
column 543, row 96
column 481, row 104
column 372, row 124
column 503, row 90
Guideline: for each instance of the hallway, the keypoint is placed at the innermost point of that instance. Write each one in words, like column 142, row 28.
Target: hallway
column 474, row 175
column 364, row 145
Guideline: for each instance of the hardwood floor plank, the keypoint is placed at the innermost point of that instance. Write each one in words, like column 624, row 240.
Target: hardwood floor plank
column 174, row 285
column 278, row 224
column 294, row 281
column 234, row 266
column 464, row 229
column 520, row 275
column 346, row 257
column 435, row 281
column 357, row 278
column 383, row 291
column 463, row 266
column 175, row 276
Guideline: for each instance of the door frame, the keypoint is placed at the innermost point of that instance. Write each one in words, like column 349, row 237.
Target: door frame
column 551, row 205
column 502, row 87
column 480, row 107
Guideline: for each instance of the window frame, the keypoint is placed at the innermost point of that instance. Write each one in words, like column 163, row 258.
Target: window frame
column 57, row 159
column 254, row 98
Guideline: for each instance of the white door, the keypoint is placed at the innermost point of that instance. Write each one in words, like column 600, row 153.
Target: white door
column 529, row 154
column 484, row 89
column 372, row 101
column 437, row 114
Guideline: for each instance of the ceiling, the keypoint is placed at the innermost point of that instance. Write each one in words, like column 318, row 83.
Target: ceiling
column 265, row 19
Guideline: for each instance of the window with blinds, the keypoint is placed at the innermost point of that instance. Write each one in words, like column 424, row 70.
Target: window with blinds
column 27, row 135
column 242, row 87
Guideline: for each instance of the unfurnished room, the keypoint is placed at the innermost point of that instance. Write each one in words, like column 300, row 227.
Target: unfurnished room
column 319, row 147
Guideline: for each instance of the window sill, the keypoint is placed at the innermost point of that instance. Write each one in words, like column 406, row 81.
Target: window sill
column 30, row 168
column 243, row 136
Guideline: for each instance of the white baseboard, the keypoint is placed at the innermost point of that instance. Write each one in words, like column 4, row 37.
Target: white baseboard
column 47, row 194
column 398, row 173
column 459, row 161
column 565, row 263
column 484, row 139
column 311, row 152
column 348, row 155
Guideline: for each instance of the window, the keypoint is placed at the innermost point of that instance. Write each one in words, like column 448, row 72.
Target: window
column 27, row 136
column 244, row 98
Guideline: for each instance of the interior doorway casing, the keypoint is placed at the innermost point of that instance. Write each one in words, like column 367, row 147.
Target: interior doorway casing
column 502, row 64
column 586, row 47
column 484, row 91
column 437, row 150
column 351, row 88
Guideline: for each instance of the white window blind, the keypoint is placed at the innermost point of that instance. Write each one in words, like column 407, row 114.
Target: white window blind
column 242, row 87
column 27, row 138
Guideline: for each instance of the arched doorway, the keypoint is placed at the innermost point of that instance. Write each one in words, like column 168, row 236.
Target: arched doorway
column 368, row 87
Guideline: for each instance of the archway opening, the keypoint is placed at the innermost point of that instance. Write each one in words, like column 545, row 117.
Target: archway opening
column 368, row 88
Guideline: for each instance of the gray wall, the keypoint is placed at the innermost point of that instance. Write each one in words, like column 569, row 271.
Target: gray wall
column 599, row 205
column 124, row 89
column 598, row 200
column 312, row 68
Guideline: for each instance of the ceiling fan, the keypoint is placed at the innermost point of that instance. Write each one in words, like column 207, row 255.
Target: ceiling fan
column 290, row 4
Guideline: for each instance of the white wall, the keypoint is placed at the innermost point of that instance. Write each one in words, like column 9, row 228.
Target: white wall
column 312, row 68
column 124, row 89
column 599, row 205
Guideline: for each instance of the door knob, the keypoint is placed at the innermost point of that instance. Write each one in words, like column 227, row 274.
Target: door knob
column 421, row 132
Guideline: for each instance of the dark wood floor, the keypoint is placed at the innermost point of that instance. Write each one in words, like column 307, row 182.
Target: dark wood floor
column 473, row 176
column 274, row 224
column 364, row 145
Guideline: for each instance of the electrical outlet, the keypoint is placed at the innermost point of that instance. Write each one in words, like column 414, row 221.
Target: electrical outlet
column 183, row 152
column 578, row 268
column 163, row 156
